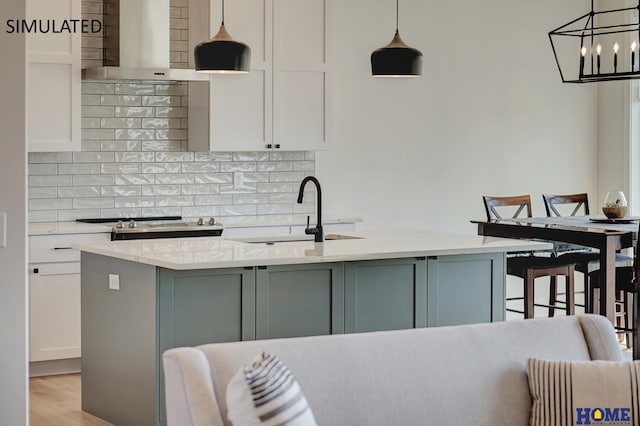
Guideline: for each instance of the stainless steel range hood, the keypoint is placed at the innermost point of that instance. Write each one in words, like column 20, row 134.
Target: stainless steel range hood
column 136, row 43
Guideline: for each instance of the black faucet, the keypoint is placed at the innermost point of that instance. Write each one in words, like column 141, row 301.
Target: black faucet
column 317, row 231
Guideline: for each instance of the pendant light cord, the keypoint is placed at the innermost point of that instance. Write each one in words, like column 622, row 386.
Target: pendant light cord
column 397, row 13
column 222, row 12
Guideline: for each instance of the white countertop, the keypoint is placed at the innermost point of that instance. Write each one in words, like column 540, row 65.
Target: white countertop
column 221, row 252
column 48, row 228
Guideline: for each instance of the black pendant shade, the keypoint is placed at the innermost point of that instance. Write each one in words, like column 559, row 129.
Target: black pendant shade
column 396, row 59
column 222, row 55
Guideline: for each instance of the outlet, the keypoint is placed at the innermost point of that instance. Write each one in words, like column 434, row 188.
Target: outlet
column 3, row 229
column 114, row 282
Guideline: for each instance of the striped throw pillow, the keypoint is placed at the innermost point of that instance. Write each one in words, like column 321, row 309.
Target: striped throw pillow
column 266, row 393
column 584, row 392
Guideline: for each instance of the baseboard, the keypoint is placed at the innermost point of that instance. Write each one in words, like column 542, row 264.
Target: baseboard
column 58, row 366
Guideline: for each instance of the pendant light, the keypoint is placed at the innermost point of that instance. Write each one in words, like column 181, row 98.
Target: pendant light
column 396, row 59
column 222, row 54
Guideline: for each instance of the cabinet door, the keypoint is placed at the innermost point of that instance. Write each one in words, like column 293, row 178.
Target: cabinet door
column 53, row 80
column 301, row 77
column 466, row 289
column 385, row 294
column 54, row 311
column 299, row 300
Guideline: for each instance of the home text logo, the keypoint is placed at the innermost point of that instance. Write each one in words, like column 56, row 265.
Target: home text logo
column 603, row 416
column 53, row 26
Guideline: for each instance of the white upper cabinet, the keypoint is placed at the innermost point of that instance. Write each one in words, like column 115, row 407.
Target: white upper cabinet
column 283, row 102
column 53, row 78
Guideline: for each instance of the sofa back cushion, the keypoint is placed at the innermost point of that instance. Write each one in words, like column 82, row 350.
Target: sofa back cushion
column 472, row 374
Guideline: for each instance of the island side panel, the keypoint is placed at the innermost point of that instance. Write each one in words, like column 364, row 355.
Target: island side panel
column 466, row 289
column 118, row 340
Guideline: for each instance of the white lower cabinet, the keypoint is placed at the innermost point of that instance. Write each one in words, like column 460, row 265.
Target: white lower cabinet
column 55, row 311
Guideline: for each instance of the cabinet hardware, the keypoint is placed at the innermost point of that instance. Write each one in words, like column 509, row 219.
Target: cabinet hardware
column 262, row 267
column 36, row 270
column 269, row 145
column 248, row 268
column 432, row 257
column 62, row 248
column 277, row 146
column 421, row 258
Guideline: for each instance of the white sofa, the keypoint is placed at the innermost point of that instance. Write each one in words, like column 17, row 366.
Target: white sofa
column 462, row 375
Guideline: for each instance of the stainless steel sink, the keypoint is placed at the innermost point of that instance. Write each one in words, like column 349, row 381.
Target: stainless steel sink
column 291, row 238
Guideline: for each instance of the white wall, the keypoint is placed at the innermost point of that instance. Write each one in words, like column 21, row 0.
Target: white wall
column 489, row 115
column 13, row 287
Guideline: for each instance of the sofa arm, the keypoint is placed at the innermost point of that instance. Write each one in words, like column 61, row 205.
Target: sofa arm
column 600, row 337
column 189, row 394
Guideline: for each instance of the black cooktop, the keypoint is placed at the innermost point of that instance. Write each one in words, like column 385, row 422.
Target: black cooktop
column 137, row 219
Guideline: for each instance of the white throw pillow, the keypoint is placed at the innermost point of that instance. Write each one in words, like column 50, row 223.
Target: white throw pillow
column 266, row 393
column 566, row 393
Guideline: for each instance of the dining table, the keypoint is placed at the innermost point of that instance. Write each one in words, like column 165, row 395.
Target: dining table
column 598, row 232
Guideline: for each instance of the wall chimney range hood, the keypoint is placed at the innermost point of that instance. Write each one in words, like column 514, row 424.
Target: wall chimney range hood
column 136, row 43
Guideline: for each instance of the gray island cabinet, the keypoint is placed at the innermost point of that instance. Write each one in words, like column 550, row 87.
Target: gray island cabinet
column 205, row 295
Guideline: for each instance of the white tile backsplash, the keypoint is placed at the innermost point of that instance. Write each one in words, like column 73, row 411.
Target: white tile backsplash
column 134, row 160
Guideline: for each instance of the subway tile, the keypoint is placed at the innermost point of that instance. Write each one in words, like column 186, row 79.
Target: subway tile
column 133, row 134
column 79, row 169
column 248, row 187
column 88, row 100
column 213, row 156
column 121, row 191
column 197, row 212
column 211, row 167
column 275, row 209
column 238, row 210
column 134, row 157
column 304, row 166
column 277, row 187
column 149, row 190
column 238, row 167
column 304, row 209
column 140, row 111
column 174, row 178
column 134, row 202
column 275, row 166
column 93, row 157
column 251, row 156
column 50, row 180
column 134, row 179
column 164, row 100
column 90, row 122
column 124, row 212
column 50, row 204
column 120, row 168
column 283, row 197
column 171, row 112
column 71, row 215
column 213, row 200
column 180, row 89
column 95, row 88
column 256, row 177
column 180, row 45
column 97, row 111
column 90, row 145
column 160, row 123
column 161, row 168
column 286, row 155
column 286, row 177
column 211, row 188
column 121, row 123
column 97, row 134
column 161, row 146
column 42, row 169
column 50, row 157
column 120, row 145
column 177, row 200
column 171, row 134
column 49, row 192
column 91, row 7
column 120, row 100
column 174, row 156
column 160, row 211
column 81, row 180
column 93, row 43
column 213, row 178
column 251, row 199
column 43, row 216
column 179, row 23
column 93, row 203
column 134, row 89
column 78, row 191
column 179, row 3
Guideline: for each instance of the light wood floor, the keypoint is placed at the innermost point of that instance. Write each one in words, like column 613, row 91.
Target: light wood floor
column 55, row 401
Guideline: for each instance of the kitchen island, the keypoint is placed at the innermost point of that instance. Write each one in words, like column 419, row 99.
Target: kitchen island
column 142, row 297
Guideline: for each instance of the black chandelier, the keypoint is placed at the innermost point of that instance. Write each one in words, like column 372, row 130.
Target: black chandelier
column 598, row 46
